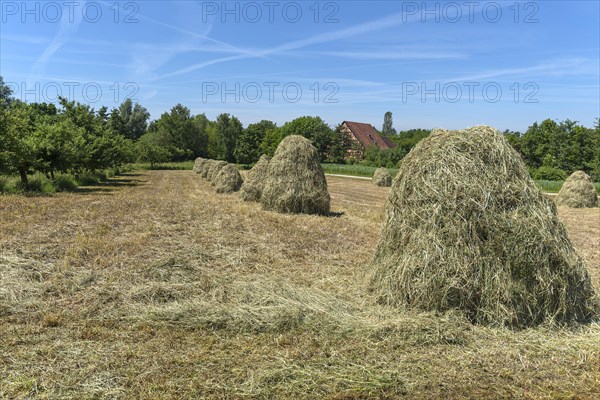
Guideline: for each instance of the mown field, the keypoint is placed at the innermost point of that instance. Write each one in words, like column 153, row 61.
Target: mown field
column 151, row 286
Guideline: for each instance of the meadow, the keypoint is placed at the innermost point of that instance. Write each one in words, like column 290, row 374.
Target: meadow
column 67, row 182
column 150, row 285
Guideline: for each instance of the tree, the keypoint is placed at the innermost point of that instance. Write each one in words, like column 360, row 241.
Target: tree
column 247, row 149
column 316, row 130
column 271, row 141
column 17, row 144
column 181, row 133
column 149, row 149
column 340, row 146
column 57, row 143
column 388, row 125
column 216, row 142
column 571, row 146
column 5, row 93
column 229, row 128
column 98, row 146
column 129, row 120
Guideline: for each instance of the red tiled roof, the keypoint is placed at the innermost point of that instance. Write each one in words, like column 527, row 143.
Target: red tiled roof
column 367, row 135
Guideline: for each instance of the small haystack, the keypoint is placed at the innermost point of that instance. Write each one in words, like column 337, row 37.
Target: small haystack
column 205, row 168
column 466, row 228
column 382, row 177
column 255, row 180
column 578, row 192
column 214, row 169
column 295, row 179
column 228, row 180
column 198, row 164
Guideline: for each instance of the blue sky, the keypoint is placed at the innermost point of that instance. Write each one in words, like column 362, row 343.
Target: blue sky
column 433, row 64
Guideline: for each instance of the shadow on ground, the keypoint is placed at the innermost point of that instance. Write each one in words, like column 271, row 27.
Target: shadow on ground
column 109, row 186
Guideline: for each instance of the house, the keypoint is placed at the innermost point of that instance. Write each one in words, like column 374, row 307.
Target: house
column 364, row 135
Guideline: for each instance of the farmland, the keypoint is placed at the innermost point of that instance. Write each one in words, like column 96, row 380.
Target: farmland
column 151, row 285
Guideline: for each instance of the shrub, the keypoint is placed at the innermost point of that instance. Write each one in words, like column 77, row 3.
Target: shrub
column 546, row 173
column 65, row 182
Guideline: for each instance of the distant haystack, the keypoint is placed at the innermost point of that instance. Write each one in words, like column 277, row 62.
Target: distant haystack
column 255, row 180
column 466, row 228
column 228, row 180
column 198, row 164
column 578, row 192
column 382, row 177
column 214, row 169
column 295, row 179
column 205, row 168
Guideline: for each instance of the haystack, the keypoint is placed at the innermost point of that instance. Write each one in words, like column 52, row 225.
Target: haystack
column 228, row 180
column 205, row 168
column 382, row 177
column 295, row 179
column 198, row 164
column 467, row 229
column 578, row 192
column 214, row 169
column 255, row 180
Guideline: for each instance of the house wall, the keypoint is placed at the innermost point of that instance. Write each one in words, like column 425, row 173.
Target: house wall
column 356, row 150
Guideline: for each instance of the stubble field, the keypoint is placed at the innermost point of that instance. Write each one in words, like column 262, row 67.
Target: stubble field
column 153, row 286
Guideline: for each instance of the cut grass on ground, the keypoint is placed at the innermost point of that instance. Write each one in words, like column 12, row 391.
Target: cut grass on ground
column 156, row 287
column 343, row 169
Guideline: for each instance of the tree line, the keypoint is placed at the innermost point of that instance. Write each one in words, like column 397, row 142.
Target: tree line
column 73, row 138
column 552, row 150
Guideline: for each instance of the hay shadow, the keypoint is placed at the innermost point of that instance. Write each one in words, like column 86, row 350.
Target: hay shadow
column 334, row 214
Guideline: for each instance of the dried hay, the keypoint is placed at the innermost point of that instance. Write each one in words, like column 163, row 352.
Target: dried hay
column 578, row 192
column 255, row 180
column 214, row 169
column 205, row 168
column 198, row 164
column 228, row 180
column 295, row 179
column 382, row 177
column 467, row 229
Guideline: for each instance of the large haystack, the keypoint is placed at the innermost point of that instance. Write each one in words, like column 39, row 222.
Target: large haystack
column 255, row 180
column 578, row 192
column 295, row 179
column 228, row 180
column 466, row 228
column 382, row 177
column 214, row 169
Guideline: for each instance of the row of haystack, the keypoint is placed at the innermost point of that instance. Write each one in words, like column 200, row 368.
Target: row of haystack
column 292, row 181
column 223, row 176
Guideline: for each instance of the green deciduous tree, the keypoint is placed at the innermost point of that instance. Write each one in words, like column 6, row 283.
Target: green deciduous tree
column 229, row 128
column 150, row 149
column 271, row 141
column 325, row 139
column 17, row 144
column 182, row 134
column 130, row 120
column 247, row 149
